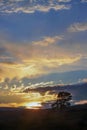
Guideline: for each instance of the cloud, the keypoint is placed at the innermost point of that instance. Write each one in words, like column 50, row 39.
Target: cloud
column 48, row 41
column 36, row 85
column 83, row 1
column 12, row 95
column 42, row 88
column 84, row 80
column 31, row 6
column 78, row 27
column 64, row 0
column 34, row 59
column 81, row 102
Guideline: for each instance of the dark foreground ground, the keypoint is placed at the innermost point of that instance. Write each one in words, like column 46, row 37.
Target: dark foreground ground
column 74, row 118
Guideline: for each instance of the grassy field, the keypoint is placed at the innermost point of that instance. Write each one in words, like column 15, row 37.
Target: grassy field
column 74, row 118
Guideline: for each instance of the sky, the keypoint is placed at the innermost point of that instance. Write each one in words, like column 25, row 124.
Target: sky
column 42, row 43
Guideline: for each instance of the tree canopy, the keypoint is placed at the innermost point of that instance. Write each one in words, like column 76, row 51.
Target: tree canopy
column 63, row 100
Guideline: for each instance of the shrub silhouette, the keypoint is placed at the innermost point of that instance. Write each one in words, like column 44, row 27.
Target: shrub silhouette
column 63, row 100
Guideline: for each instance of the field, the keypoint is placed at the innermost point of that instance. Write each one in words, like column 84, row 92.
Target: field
column 74, row 118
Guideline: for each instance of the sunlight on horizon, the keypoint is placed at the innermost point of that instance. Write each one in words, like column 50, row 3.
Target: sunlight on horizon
column 33, row 105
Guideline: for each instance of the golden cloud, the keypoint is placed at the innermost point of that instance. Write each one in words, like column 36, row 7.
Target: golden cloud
column 34, row 59
column 15, row 98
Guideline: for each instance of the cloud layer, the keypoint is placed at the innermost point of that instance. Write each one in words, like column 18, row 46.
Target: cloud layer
column 31, row 6
column 18, row 94
column 12, row 95
column 34, row 59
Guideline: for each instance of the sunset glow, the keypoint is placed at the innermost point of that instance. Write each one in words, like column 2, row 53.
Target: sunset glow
column 42, row 47
column 33, row 105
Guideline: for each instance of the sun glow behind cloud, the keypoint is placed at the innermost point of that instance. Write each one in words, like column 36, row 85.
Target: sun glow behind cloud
column 33, row 105
column 16, row 97
column 37, row 99
column 28, row 100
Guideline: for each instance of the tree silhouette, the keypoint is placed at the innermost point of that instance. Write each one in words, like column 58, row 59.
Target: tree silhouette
column 63, row 100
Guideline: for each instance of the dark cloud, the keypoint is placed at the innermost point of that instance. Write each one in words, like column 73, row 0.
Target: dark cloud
column 8, row 62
